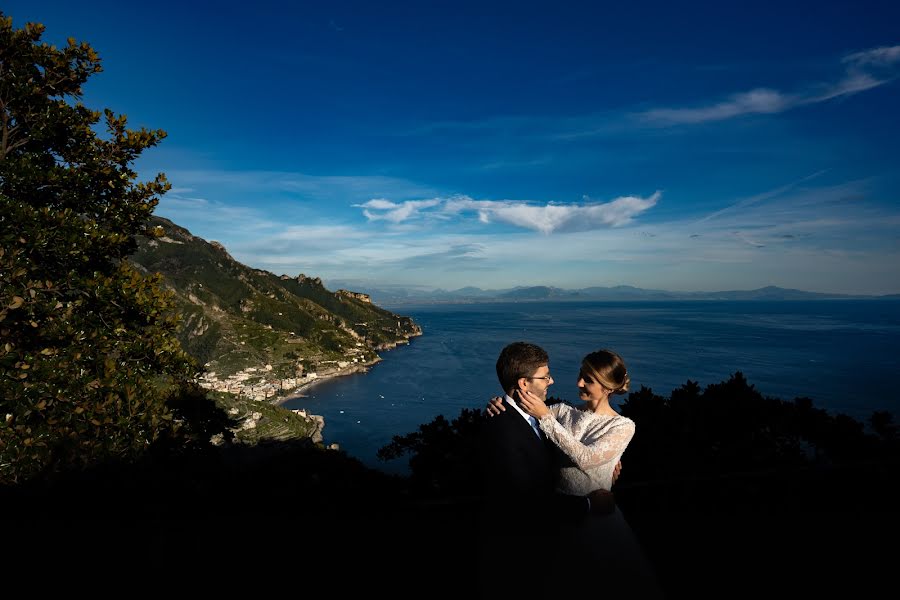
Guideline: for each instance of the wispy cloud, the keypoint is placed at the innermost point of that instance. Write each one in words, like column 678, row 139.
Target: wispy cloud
column 863, row 70
column 242, row 203
column 756, row 198
column 746, row 239
column 545, row 218
column 457, row 257
column 755, row 101
column 380, row 209
column 875, row 57
column 550, row 218
column 525, row 127
column 354, row 187
column 823, row 218
column 860, row 71
column 299, row 239
column 515, row 164
column 188, row 210
column 299, row 186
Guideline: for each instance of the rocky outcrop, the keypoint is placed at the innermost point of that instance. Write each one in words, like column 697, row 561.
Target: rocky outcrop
column 301, row 278
column 319, row 421
column 358, row 295
column 221, row 249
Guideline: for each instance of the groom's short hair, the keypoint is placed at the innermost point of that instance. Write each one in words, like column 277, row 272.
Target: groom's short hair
column 517, row 360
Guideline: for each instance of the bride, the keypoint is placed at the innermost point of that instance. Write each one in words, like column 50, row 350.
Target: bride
column 591, row 439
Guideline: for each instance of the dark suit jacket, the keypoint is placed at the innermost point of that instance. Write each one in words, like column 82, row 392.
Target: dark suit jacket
column 519, row 473
column 521, row 509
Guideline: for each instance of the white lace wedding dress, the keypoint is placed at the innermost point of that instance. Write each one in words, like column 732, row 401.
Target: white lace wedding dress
column 592, row 445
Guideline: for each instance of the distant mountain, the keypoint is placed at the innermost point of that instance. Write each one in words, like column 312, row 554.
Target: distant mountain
column 540, row 292
column 770, row 293
column 470, row 291
column 234, row 316
column 399, row 295
column 625, row 292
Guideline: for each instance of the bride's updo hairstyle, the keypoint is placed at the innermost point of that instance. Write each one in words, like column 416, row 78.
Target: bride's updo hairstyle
column 607, row 368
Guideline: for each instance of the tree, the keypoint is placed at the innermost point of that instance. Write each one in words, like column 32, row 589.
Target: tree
column 443, row 454
column 89, row 361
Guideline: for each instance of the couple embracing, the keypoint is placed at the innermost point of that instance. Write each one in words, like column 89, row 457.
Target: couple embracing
column 549, row 522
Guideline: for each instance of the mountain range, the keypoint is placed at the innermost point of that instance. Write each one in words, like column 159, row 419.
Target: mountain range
column 396, row 295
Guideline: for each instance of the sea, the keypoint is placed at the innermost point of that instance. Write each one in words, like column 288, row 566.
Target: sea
column 842, row 354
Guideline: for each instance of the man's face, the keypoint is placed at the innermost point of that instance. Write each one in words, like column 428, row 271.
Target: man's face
column 538, row 382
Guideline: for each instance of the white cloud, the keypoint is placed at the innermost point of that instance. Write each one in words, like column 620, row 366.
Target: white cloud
column 853, row 83
column 860, row 75
column 549, row 218
column 380, row 209
column 877, row 57
column 545, row 218
column 755, row 101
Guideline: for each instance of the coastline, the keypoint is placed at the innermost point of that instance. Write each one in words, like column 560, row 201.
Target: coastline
column 297, row 392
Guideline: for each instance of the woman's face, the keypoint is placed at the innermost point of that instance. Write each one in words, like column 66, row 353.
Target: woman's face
column 588, row 389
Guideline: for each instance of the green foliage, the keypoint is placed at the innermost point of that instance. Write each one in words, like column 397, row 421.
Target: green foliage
column 198, row 336
column 89, row 360
column 732, row 427
column 443, row 457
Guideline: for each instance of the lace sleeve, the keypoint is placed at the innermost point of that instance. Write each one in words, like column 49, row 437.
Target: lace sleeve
column 601, row 443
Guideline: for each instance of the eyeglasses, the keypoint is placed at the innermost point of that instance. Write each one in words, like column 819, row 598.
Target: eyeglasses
column 544, row 377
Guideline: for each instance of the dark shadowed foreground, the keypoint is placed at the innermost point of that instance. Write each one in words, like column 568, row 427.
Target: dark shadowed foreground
column 326, row 523
column 729, row 493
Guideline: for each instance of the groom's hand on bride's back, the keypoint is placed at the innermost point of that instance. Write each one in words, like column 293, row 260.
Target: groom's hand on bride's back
column 616, row 471
column 495, row 406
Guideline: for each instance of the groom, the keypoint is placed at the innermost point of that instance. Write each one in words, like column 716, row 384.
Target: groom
column 518, row 464
column 519, row 473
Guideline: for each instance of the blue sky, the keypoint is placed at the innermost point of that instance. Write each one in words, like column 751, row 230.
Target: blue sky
column 682, row 146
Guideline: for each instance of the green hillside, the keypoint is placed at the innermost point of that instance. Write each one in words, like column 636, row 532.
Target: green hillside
column 261, row 329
